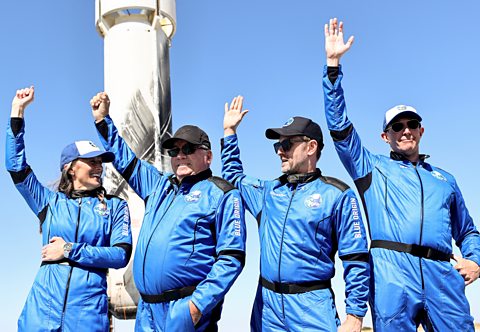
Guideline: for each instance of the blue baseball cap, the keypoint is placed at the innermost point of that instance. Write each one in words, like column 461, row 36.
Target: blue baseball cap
column 83, row 149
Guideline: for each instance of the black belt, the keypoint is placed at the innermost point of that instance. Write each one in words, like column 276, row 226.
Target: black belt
column 287, row 288
column 412, row 249
column 169, row 295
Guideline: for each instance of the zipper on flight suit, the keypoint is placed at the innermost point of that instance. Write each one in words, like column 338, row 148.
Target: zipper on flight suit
column 176, row 191
column 71, row 267
column 422, row 213
column 281, row 242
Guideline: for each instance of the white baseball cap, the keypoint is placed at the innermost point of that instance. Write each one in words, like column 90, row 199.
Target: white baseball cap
column 400, row 111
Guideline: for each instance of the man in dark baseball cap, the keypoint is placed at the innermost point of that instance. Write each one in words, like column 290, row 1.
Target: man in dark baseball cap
column 298, row 126
column 300, row 214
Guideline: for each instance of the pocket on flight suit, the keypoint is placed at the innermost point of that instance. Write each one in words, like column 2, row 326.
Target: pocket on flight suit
column 390, row 297
column 318, row 311
column 179, row 318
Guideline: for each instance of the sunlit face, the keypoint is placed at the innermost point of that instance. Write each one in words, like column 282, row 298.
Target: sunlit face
column 405, row 141
column 86, row 173
column 295, row 160
column 190, row 164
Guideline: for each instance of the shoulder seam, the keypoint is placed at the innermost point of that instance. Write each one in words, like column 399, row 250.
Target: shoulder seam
column 339, row 184
column 221, row 183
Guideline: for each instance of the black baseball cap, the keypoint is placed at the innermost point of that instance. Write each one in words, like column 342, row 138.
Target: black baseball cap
column 191, row 134
column 297, row 126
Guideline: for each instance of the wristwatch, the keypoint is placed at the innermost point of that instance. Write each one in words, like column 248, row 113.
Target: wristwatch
column 67, row 247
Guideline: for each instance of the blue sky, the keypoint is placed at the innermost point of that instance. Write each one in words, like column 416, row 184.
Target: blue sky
column 422, row 53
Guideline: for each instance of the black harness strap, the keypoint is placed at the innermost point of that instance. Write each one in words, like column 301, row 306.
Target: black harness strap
column 288, row 288
column 412, row 249
column 169, row 295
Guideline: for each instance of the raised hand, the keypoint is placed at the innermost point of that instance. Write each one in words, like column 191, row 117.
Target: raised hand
column 100, row 104
column 233, row 116
column 335, row 47
column 22, row 99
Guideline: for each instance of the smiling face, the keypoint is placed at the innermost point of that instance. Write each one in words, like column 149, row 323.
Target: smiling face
column 406, row 141
column 190, row 164
column 86, row 173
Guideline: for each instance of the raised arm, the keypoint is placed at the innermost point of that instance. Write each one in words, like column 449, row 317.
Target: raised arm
column 357, row 160
column 250, row 188
column 140, row 175
column 34, row 193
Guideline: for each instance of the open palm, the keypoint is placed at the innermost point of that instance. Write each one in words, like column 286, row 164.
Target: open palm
column 335, row 46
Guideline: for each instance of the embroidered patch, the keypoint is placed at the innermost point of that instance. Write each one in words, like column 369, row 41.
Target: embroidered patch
column 288, row 123
column 313, row 201
column 438, row 175
column 194, row 196
column 101, row 209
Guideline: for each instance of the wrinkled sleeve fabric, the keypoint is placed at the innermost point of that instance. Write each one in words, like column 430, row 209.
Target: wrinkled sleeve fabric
column 464, row 231
column 353, row 251
column 35, row 194
column 357, row 160
column 230, row 250
column 140, row 175
column 118, row 253
column 251, row 189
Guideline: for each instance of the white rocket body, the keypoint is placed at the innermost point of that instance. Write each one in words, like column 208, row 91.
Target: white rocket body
column 137, row 35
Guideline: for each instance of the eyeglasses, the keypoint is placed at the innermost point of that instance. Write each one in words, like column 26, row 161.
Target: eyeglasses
column 187, row 149
column 399, row 126
column 287, row 144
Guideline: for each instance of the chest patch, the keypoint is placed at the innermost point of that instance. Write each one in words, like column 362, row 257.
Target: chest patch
column 438, row 175
column 193, row 197
column 101, row 209
column 313, row 201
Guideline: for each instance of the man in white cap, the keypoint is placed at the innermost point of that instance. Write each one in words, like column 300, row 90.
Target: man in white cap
column 413, row 209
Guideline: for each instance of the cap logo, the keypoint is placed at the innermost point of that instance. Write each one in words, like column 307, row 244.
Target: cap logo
column 288, row 123
column 85, row 147
column 401, row 108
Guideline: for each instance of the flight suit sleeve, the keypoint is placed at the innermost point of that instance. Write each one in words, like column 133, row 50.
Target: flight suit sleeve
column 353, row 251
column 230, row 250
column 35, row 194
column 464, row 231
column 140, row 175
column 356, row 159
column 251, row 189
column 118, row 253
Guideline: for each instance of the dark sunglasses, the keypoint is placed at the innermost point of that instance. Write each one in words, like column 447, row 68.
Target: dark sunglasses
column 399, row 126
column 287, row 144
column 187, row 149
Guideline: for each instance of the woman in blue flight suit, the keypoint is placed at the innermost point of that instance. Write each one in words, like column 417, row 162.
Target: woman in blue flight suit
column 84, row 232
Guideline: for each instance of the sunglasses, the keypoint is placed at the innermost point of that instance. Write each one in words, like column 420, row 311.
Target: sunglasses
column 187, row 149
column 399, row 126
column 287, row 144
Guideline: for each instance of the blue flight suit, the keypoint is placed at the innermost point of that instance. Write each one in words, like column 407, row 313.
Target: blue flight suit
column 191, row 244
column 303, row 220
column 415, row 210
column 70, row 294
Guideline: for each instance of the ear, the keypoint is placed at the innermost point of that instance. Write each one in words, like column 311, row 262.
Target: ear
column 312, row 147
column 422, row 129
column 209, row 157
column 385, row 138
